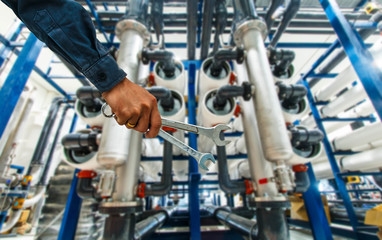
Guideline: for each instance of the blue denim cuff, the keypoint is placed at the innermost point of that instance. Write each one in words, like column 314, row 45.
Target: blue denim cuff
column 105, row 73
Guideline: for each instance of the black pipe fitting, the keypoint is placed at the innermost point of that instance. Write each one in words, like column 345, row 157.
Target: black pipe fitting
column 229, row 91
column 90, row 97
column 166, row 58
column 302, row 136
column 225, row 55
column 302, row 182
column 85, row 189
column 281, row 60
column 164, row 95
column 291, row 94
column 81, row 142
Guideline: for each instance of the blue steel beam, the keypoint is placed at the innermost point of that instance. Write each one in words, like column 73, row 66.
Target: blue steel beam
column 17, row 78
column 99, row 23
column 329, row 152
column 11, row 36
column 315, row 209
column 194, row 175
column 73, row 204
column 361, row 59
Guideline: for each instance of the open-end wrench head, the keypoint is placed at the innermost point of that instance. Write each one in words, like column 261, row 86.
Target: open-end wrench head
column 206, row 160
column 218, row 130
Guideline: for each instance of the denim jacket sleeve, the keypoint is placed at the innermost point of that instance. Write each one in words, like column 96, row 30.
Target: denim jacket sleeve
column 67, row 29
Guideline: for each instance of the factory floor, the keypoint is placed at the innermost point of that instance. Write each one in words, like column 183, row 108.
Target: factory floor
column 304, row 234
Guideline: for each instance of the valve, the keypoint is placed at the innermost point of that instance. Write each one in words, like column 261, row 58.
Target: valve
column 81, row 142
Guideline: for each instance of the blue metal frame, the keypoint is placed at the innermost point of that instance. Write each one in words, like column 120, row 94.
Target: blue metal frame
column 73, row 204
column 194, row 175
column 357, row 52
column 17, row 78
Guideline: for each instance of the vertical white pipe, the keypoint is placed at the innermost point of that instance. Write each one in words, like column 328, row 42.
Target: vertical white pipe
column 274, row 139
column 259, row 167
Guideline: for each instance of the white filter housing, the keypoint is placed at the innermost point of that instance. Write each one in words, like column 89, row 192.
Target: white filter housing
column 176, row 83
column 365, row 161
column 208, row 82
column 351, row 97
column 114, row 145
column 92, row 119
column 344, row 78
column 362, row 136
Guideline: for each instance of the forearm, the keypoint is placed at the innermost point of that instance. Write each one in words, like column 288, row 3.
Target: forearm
column 67, row 29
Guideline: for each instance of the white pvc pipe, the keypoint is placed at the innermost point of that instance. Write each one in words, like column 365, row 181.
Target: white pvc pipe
column 369, row 160
column 362, row 110
column 359, row 137
column 309, row 122
column 207, row 82
column 346, row 77
column 259, row 167
column 273, row 133
column 12, row 220
column 177, row 83
column 36, row 198
column 351, row 97
column 322, row 170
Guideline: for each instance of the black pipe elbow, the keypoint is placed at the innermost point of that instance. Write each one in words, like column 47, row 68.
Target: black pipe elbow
column 163, row 56
column 291, row 94
column 164, row 95
column 303, row 136
column 302, row 182
column 229, row 91
column 90, row 98
column 225, row 55
column 85, row 190
column 281, row 60
column 81, row 141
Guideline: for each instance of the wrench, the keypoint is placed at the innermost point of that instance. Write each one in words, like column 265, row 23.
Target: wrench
column 211, row 132
column 201, row 158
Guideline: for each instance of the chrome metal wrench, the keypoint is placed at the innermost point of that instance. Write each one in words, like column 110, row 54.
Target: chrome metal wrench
column 211, row 132
column 202, row 158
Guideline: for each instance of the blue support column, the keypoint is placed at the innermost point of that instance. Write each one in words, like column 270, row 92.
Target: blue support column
column 359, row 56
column 315, row 209
column 17, row 78
column 341, row 185
column 73, row 205
column 194, row 175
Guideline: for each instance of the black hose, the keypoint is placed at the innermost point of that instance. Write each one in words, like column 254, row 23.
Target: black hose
column 164, row 187
column 226, row 184
column 45, row 132
column 208, row 11
column 157, row 17
column 244, row 10
column 44, row 177
column 192, row 16
column 289, row 14
column 271, row 10
column 220, row 22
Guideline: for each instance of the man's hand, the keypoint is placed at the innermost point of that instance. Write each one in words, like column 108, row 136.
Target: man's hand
column 134, row 106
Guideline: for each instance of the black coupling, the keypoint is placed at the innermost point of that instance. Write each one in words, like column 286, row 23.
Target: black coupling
column 302, row 136
column 83, row 142
column 291, row 94
column 166, row 58
column 90, row 97
column 225, row 55
column 164, row 95
column 281, row 60
column 246, row 90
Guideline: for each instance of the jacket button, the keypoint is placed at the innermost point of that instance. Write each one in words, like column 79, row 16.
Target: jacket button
column 101, row 76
